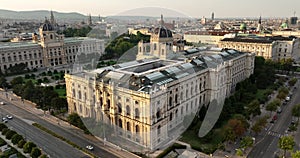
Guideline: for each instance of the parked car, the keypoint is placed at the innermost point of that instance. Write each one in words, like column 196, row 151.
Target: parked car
column 89, row 147
column 2, row 103
column 4, row 120
column 279, row 110
column 287, row 98
column 9, row 117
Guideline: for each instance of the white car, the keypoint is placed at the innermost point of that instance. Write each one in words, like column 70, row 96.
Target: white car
column 4, row 120
column 9, row 117
column 2, row 103
column 287, row 98
column 89, row 147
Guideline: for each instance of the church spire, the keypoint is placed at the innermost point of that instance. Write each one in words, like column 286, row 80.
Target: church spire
column 52, row 20
column 259, row 21
column 161, row 20
column 89, row 21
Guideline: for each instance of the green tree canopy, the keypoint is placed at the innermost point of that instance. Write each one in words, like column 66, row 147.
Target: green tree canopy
column 296, row 154
column 286, row 143
column 296, row 111
column 28, row 147
column 35, row 152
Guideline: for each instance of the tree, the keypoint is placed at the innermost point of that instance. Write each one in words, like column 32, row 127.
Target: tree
column 43, row 156
column 237, row 126
column 259, row 125
column 3, row 82
column 16, row 138
column 296, row 154
column 2, row 126
column 21, row 143
column 246, row 142
column 239, row 152
column 271, row 107
column 59, row 103
column 296, row 111
column 9, row 134
column 28, row 147
column 282, row 93
column 253, row 108
column 16, row 80
column 286, row 143
column 293, row 81
column 35, row 152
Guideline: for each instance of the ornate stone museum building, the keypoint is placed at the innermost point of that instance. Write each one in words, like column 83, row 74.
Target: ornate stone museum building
column 146, row 100
column 47, row 49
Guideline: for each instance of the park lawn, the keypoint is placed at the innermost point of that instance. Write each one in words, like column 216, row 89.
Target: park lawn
column 34, row 81
column 206, row 145
column 262, row 94
column 61, row 92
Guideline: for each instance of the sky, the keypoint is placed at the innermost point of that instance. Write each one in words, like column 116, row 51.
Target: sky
column 191, row 8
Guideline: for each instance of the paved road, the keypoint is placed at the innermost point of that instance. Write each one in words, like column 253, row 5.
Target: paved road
column 69, row 132
column 49, row 144
column 267, row 147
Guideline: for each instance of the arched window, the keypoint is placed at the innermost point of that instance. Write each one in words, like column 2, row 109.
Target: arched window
column 101, row 102
column 120, row 123
column 51, row 36
column 75, row 107
column 119, row 108
column 127, row 110
column 79, row 94
column 158, row 130
column 74, row 93
column 128, row 126
column 137, row 128
column 176, row 98
column 171, row 116
column 158, row 114
column 170, row 101
column 137, row 113
column 108, row 104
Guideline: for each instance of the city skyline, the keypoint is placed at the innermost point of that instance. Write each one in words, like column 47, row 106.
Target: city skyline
column 191, row 8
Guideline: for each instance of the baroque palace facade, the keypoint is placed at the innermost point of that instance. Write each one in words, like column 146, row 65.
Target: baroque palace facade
column 48, row 49
column 274, row 47
column 146, row 100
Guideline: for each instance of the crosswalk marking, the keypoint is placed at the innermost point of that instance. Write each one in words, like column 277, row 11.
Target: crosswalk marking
column 275, row 134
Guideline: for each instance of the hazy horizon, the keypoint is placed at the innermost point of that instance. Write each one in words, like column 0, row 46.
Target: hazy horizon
column 190, row 8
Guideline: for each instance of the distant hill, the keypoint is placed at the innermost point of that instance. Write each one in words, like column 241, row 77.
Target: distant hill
column 40, row 15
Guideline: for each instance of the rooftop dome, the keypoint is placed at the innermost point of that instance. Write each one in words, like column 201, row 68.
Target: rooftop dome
column 47, row 26
column 284, row 25
column 243, row 26
column 163, row 32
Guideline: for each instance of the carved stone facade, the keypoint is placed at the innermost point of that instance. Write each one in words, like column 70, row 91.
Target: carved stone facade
column 51, row 50
column 146, row 101
column 274, row 48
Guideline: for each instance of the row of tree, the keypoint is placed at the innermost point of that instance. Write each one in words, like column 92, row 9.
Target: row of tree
column 74, row 32
column 123, row 43
column 287, row 143
column 243, row 105
column 16, row 139
column 45, row 97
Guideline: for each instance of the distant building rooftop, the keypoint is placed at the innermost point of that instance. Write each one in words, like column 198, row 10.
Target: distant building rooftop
column 256, row 39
